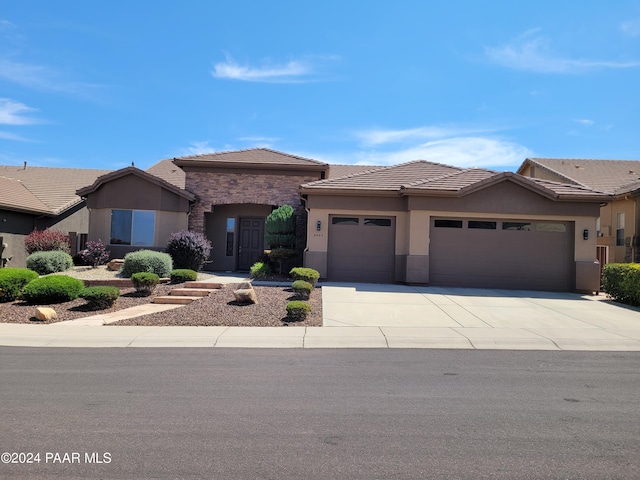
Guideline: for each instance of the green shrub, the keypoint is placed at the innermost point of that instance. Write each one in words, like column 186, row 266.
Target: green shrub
column 148, row 261
column 145, row 282
column 12, row 281
column 302, row 288
column 181, row 275
column 298, row 310
column 53, row 261
column 307, row 274
column 46, row 241
column 189, row 250
column 281, row 227
column 260, row 270
column 622, row 282
column 100, row 298
column 52, row 289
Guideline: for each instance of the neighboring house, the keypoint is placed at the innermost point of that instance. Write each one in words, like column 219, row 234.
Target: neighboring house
column 38, row 198
column 618, row 224
column 130, row 209
column 427, row 223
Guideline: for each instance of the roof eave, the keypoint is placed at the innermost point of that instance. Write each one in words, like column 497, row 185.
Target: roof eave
column 213, row 164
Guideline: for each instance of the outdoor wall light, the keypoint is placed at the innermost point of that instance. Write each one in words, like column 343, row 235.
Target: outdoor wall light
column 585, row 234
column 318, row 225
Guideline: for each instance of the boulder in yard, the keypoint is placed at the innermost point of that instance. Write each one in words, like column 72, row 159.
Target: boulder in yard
column 245, row 295
column 45, row 314
column 115, row 264
column 245, row 285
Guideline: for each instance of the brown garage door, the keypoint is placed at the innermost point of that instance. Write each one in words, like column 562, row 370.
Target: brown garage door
column 514, row 254
column 361, row 248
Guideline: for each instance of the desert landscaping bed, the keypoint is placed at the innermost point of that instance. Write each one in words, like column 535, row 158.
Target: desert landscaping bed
column 219, row 308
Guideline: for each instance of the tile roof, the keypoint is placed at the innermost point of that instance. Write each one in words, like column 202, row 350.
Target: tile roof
column 426, row 178
column 250, row 157
column 15, row 196
column 384, row 178
column 169, row 172
column 336, row 171
column 608, row 176
column 55, row 188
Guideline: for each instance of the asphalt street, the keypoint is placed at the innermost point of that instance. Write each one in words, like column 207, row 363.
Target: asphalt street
column 318, row 414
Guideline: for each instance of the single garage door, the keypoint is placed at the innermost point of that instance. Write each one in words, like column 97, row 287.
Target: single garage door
column 361, row 249
column 514, row 254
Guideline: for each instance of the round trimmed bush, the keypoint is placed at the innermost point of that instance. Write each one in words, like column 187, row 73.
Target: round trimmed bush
column 100, row 297
column 259, row 270
column 12, row 281
column 303, row 289
column 307, row 274
column 145, row 282
column 181, row 275
column 53, row 261
column 148, row 261
column 189, row 250
column 298, row 310
column 52, row 289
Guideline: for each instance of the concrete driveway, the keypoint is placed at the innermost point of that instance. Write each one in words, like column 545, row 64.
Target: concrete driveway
column 481, row 318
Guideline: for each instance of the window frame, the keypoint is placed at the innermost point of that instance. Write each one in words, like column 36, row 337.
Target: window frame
column 132, row 235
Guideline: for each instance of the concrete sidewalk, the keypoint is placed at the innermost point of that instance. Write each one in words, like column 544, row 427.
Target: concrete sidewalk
column 383, row 316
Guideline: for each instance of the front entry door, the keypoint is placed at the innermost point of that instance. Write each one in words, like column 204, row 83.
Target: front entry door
column 251, row 242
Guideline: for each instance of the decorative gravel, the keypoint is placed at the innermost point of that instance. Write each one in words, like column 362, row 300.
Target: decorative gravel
column 219, row 308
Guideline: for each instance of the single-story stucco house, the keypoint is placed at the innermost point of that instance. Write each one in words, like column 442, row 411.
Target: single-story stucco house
column 36, row 198
column 418, row 222
column 618, row 230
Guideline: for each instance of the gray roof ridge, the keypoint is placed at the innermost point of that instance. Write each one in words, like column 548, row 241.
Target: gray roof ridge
column 572, row 185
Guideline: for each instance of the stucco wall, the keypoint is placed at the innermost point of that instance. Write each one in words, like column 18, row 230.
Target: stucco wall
column 608, row 228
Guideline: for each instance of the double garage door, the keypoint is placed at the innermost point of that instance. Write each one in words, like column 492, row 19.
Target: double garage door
column 482, row 253
column 514, row 254
column 361, row 249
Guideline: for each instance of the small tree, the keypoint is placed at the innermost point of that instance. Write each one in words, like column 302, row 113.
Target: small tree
column 95, row 254
column 281, row 228
column 281, row 235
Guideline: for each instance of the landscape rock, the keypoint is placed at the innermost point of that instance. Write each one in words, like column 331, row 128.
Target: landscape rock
column 45, row 314
column 245, row 286
column 245, row 295
column 115, row 264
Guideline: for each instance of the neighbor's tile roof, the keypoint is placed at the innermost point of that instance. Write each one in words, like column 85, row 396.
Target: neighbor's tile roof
column 253, row 156
column 384, row 178
column 15, row 196
column 53, row 187
column 169, row 172
column 611, row 176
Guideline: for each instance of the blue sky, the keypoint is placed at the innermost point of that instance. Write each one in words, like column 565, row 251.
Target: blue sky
column 468, row 83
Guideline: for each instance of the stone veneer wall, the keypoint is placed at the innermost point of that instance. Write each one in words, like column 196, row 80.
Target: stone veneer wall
column 220, row 188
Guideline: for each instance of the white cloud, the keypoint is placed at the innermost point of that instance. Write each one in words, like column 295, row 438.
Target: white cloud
column 458, row 151
column 40, row 77
column 381, row 136
column 196, row 148
column 13, row 136
column 631, row 27
column 533, row 53
column 12, row 113
column 584, row 121
column 293, row 71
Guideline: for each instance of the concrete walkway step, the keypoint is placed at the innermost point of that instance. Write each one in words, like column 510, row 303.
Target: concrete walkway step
column 192, row 292
column 175, row 299
column 203, row 284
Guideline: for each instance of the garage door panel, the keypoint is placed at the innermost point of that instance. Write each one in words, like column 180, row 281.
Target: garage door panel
column 516, row 256
column 361, row 249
